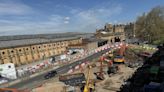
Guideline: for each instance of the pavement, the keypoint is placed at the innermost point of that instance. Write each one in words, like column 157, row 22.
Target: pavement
column 38, row 80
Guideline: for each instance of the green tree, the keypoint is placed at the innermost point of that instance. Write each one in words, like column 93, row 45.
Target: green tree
column 150, row 26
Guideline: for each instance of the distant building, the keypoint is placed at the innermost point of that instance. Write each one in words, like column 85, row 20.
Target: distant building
column 90, row 44
column 130, row 31
column 116, row 33
column 26, row 49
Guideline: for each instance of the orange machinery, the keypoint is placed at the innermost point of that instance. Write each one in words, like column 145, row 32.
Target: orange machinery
column 119, row 58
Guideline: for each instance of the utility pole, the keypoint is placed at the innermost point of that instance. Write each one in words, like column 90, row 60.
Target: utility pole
column 134, row 30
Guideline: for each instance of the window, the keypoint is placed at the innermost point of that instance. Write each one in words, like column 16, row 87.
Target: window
column 9, row 66
column 39, row 47
column 33, row 48
column 12, row 51
column 20, row 50
column 3, row 52
column 26, row 48
column 44, row 46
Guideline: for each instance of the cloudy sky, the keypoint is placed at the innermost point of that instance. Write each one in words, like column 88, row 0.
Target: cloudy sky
column 51, row 16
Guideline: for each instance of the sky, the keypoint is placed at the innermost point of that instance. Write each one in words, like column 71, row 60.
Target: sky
column 19, row 17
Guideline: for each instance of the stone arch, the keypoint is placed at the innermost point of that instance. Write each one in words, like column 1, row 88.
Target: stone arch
column 112, row 40
column 117, row 39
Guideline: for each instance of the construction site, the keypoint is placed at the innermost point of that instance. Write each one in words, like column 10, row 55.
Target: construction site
column 124, row 68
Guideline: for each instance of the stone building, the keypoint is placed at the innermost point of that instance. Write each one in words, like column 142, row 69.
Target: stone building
column 112, row 33
column 130, row 30
column 23, row 50
column 116, row 33
column 90, row 44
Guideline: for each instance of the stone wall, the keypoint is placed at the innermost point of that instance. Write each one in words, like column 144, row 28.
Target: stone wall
column 21, row 55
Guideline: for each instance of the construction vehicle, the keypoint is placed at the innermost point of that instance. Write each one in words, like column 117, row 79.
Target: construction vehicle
column 89, row 86
column 78, row 79
column 111, row 67
column 119, row 58
column 100, row 74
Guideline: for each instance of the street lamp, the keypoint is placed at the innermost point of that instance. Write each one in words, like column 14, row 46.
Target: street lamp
column 148, row 38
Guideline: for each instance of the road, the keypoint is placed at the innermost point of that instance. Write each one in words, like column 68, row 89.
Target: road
column 33, row 82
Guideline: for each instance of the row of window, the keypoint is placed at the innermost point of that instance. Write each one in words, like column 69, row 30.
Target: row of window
column 20, row 50
column 54, row 53
column 55, row 44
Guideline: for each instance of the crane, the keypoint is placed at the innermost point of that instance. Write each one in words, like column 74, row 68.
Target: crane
column 88, row 85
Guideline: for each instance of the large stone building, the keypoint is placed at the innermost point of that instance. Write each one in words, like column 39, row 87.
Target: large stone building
column 22, row 50
column 116, row 33
column 130, row 30
column 111, row 32
column 90, row 44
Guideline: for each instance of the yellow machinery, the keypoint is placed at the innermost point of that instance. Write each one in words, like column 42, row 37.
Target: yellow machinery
column 88, row 85
column 119, row 59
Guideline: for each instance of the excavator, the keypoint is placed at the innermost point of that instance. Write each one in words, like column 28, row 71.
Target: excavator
column 119, row 58
column 100, row 74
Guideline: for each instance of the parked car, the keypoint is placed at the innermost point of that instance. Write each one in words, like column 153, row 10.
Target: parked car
column 50, row 74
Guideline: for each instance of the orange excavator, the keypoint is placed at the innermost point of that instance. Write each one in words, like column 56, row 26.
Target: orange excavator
column 119, row 58
column 100, row 74
column 122, row 50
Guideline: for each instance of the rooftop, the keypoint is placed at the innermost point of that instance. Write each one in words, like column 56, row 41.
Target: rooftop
column 23, row 40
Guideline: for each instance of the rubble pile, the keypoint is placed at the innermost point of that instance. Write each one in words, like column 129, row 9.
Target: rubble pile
column 132, row 58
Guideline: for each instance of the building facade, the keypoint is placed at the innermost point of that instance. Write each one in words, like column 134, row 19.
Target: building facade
column 130, row 30
column 112, row 33
column 25, row 51
column 116, row 33
column 90, row 44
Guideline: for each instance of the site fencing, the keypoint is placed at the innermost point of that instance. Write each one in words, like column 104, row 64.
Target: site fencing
column 26, row 73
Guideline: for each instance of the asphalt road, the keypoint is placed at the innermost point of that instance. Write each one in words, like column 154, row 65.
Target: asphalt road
column 31, row 83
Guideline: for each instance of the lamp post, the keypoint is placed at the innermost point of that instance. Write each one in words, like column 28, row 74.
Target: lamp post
column 148, row 38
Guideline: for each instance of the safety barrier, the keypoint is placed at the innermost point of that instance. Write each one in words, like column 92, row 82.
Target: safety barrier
column 49, row 67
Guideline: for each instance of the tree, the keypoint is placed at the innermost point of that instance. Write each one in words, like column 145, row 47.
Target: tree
column 150, row 26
